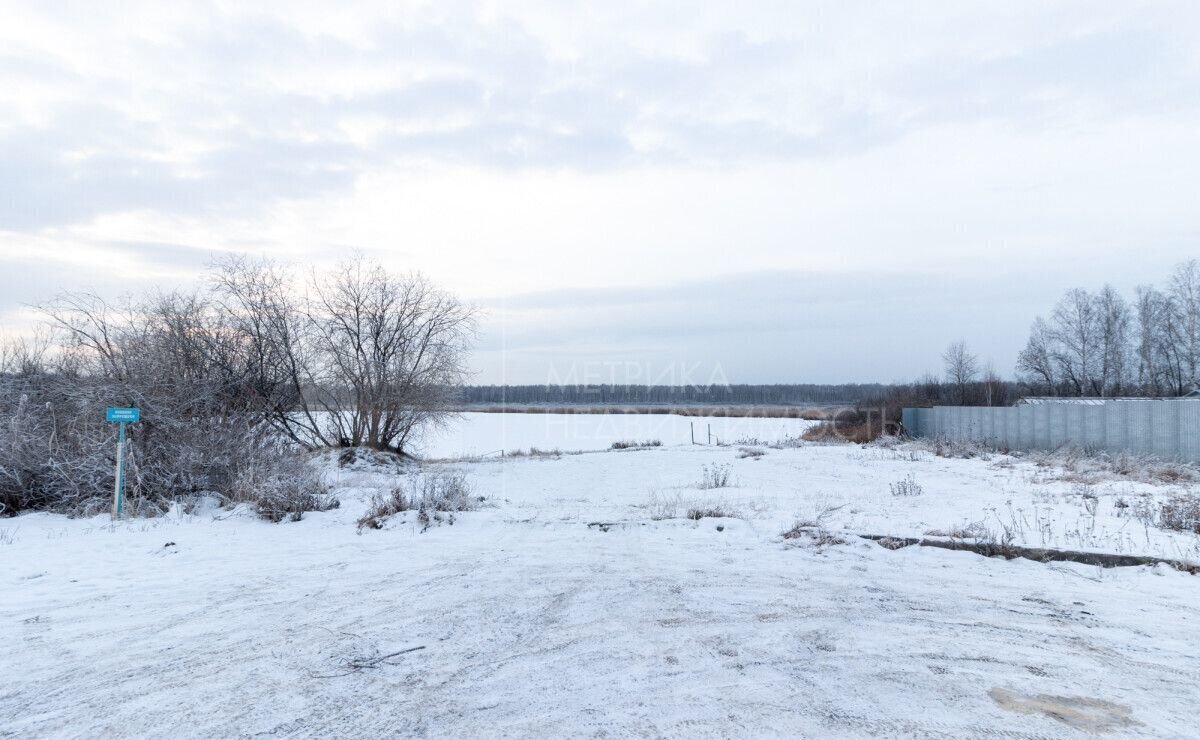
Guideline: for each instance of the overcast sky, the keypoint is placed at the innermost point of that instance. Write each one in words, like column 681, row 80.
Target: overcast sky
column 745, row 192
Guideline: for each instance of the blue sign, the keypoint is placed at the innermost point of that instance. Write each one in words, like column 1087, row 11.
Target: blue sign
column 123, row 415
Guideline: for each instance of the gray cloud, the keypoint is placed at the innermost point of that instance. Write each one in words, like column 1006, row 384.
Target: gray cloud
column 495, row 96
column 259, row 130
column 858, row 326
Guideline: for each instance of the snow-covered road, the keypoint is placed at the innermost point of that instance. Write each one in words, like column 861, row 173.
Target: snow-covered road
column 533, row 624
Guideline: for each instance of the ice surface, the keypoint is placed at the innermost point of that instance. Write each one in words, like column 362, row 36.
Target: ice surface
column 475, row 433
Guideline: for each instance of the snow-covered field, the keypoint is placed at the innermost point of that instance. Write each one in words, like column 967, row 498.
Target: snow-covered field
column 533, row 621
column 475, row 433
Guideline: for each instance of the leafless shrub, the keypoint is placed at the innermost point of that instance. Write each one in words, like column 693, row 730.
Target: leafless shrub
column 443, row 491
column 1180, row 513
column 958, row 449
column 819, row 519
column 535, row 452
column 813, row 528
column 631, row 444
column 749, row 452
column 714, row 476
column 907, row 486
column 382, row 506
column 230, row 381
column 974, row 530
column 998, row 544
column 1143, row 511
column 289, row 495
column 435, row 496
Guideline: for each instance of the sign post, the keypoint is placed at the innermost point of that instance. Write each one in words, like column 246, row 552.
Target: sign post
column 122, row 416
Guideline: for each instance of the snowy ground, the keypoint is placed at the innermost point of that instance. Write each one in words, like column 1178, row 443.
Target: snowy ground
column 532, row 623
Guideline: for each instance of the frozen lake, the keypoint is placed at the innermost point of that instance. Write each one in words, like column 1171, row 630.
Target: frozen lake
column 477, row 433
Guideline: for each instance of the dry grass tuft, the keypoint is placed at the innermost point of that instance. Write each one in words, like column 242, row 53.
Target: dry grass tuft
column 907, row 486
column 710, row 512
column 800, row 531
column 714, row 476
column 858, row 432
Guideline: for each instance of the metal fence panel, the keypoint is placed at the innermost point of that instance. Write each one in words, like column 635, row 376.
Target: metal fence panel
column 1164, row 428
column 1009, row 437
column 1189, row 432
column 1094, row 428
column 1140, row 427
column 1057, row 433
column 1027, row 423
column 956, row 425
column 1116, row 427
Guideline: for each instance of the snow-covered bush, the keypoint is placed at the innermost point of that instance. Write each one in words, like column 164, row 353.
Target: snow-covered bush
column 52, row 456
column 288, row 495
column 57, row 453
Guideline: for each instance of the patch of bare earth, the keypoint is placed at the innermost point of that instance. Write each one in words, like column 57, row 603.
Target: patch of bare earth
column 1080, row 712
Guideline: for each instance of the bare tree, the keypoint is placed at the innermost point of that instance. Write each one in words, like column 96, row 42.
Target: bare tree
column 275, row 341
column 1076, row 330
column 1151, row 308
column 26, row 355
column 366, row 358
column 1115, row 319
column 993, row 387
column 961, row 368
column 1036, row 363
column 1184, row 290
column 390, row 350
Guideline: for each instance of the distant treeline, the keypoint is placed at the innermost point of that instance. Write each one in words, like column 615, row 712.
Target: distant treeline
column 770, row 395
column 928, row 391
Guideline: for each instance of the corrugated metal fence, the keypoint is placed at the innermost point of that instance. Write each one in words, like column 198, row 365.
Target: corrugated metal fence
column 1163, row 428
